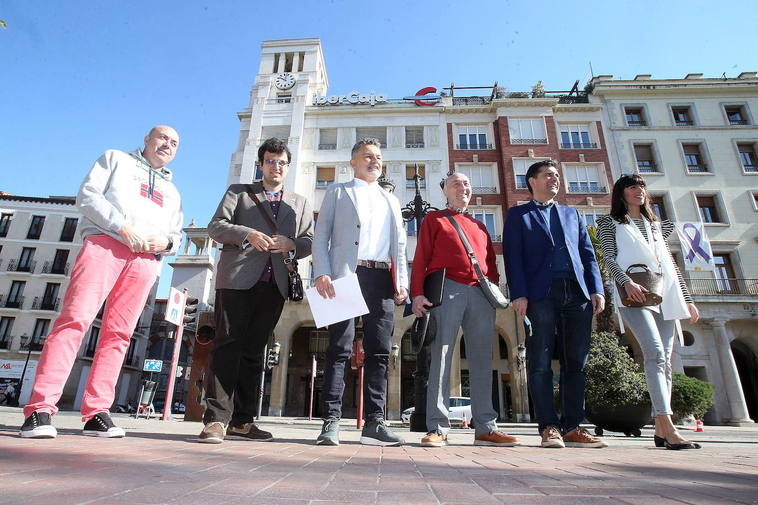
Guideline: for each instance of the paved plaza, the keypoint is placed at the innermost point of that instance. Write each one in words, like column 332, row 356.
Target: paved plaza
column 160, row 462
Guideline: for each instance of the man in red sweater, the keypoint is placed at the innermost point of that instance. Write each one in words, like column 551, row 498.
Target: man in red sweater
column 464, row 304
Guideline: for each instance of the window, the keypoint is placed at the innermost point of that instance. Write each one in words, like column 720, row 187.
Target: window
column 576, row 136
column 693, row 158
column 16, row 295
column 527, row 131
column 258, row 173
column 410, row 228
column 754, row 199
column 480, row 178
column 50, row 298
column 590, row 215
column 410, row 171
column 583, row 179
column 488, row 218
column 502, row 347
column 748, row 158
column 635, row 116
column 25, row 263
column 5, row 224
column 735, row 115
column 327, row 139
column 472, row 137
column 682, row 115
column 130, row 357
column 35, row 229
column 519, row 171
column 60, row 265
column 724, row 273
column 40, row 332
column 324, row 177
column 659, row 206
column 69, row 229
column 645, row 158
column 319, row 342
column 373, row 132
column 6, row 325
column 94, row 335
column 414, row 136
column 709, row 211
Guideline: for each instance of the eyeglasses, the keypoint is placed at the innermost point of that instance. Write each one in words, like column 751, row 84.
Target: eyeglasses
column 278, row 163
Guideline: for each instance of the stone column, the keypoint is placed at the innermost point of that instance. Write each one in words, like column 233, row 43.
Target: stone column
column 455, row 369
column 394, row 369
column 734, row 393
column 283, row 333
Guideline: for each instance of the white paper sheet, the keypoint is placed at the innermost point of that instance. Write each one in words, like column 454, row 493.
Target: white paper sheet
column 347, row 303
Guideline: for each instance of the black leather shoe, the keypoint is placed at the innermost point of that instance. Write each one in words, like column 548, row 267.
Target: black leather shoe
column 662, row 442
column 659, row 441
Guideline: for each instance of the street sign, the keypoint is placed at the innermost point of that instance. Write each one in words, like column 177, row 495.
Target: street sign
column 153, row 365
column 175, row 306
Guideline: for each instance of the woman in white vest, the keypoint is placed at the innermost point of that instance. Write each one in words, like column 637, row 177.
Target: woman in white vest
column 633, row 235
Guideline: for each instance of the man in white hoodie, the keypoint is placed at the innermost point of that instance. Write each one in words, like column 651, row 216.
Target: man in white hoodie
column 132, row 216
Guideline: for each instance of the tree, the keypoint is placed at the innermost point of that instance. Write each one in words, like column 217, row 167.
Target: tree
column 604, row 319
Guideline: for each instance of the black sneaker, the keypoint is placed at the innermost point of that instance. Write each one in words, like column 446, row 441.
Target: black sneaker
column 38, row 425
column 377, row 433
column 249, row 431
column 330, row 433
column 102, row 426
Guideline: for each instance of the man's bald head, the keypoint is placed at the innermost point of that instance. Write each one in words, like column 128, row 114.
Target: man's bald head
column 160, row 146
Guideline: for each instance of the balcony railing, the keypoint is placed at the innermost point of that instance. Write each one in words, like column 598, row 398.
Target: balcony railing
column 15, row 266
column 750, row 168
column 647, row 166
column 528, row 141
column 471, row 147
column 55, row 268
column 327, row 147
column 738, row 121
column 484, row 190
column 636, row 123
column 411, row 184
column 471, row 100
column 45, row 303
column 323, row 184
column 414, row 145
column 34, row 344
column 685, row 123
column 723, row 287
column 587, row 189
column 12, row 303
column 697, row 169
column 579, row 145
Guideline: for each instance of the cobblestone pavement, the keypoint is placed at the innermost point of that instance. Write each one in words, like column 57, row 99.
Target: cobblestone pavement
column 160, row 463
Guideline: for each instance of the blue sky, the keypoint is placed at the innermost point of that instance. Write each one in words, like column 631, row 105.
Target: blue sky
column 80, row 77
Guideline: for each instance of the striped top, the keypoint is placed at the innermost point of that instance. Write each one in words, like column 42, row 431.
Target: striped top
column 606, row 232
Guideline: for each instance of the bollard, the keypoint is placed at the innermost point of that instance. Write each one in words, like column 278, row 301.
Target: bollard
column 698, row 425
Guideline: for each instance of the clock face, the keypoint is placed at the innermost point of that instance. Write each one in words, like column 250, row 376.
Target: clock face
column 285, row 80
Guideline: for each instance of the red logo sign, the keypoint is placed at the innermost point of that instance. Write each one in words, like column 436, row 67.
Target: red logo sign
column 423, row 92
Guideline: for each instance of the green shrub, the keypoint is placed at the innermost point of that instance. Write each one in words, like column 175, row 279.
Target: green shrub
column 690, row 396
column 613, row 378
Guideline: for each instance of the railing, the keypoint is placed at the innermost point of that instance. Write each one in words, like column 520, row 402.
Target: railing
column 684, row 123
column 15, row 303
column 471, row 147
column 483, row 190
column 410, row 184
column 697, row 168
column 587, row 189
column 750, row 168
column 579, row 145
column 414, row 145
column 636, row 123
column 53, row 268
column 327, row 147
column 582, row 98
column 738, row 121
column 647, row 166
column 471, row 100
column 29, row 266
column 528, row 141
column 45, row 303
column 34, row 344
column 723, row 287
column 323, row 184
column 521, row 186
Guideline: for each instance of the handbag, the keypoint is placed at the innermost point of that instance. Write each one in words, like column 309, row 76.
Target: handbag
column 652, row 281
column 295, row 290
column 491, row 291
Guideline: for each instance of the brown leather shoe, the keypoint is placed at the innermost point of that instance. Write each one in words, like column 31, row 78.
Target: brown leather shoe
column 551, row 438
column 579, row 437
column 434, row 439
column 213, row 433
column 249, row 431
column 496, row 438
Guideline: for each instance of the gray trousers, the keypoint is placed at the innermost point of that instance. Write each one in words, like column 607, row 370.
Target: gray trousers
column 463, row 306
column 656, row 338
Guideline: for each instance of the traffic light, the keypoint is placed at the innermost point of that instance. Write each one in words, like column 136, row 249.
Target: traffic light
column 190, row 310
column 273, row 356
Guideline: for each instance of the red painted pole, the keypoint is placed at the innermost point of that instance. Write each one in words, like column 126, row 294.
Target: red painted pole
column 359, row 420
column 313, row 383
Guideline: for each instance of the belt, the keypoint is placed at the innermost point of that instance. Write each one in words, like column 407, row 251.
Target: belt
column 383, row 265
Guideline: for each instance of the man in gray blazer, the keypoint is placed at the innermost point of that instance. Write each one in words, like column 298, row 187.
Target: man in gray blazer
column 251, row 287
column 360, row 229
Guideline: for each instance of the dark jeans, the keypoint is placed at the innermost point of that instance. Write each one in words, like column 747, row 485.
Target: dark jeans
column 245, row 319
column 378, row 324
column 562, row 323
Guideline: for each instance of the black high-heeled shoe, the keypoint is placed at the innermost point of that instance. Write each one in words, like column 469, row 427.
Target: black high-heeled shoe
column 662, row 442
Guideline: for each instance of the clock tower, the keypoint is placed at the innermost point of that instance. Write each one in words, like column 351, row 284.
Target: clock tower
column 289, row 74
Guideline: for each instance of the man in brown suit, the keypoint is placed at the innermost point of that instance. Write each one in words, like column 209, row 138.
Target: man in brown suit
column 251, row 287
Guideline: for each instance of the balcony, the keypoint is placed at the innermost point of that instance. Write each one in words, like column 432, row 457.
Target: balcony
column 323, row 184
column 636, row 123
column 697, row 169
column 45, row 303
column 12, row 303
column 579, row 145
column 414, row 145
column 750, row 168
column 583, row 188
column 327, row 147
column 646, row 166
column 471, row 100
column 738, row 122
column 411, row 184
column 34, row 344
column 685, row 123
column 28, row 266
column 528, row 141
column 723, row 287
column 55, row 268
column 483, row 190
column 471, row 147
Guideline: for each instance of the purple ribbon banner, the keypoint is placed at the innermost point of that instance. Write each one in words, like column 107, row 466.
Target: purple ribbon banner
column 695, row 243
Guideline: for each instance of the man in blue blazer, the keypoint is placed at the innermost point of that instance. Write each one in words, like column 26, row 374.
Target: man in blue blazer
column 360, row 229
column 554, row 280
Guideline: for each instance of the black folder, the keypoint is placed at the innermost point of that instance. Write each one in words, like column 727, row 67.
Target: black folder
column 433, row 286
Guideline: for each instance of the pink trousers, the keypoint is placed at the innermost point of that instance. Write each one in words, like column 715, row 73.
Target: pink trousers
column 104, row 268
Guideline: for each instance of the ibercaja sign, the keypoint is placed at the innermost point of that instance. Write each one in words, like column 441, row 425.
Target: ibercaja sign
column 424, row 97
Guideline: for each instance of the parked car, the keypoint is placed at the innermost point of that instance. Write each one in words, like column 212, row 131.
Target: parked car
column 460, row 407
